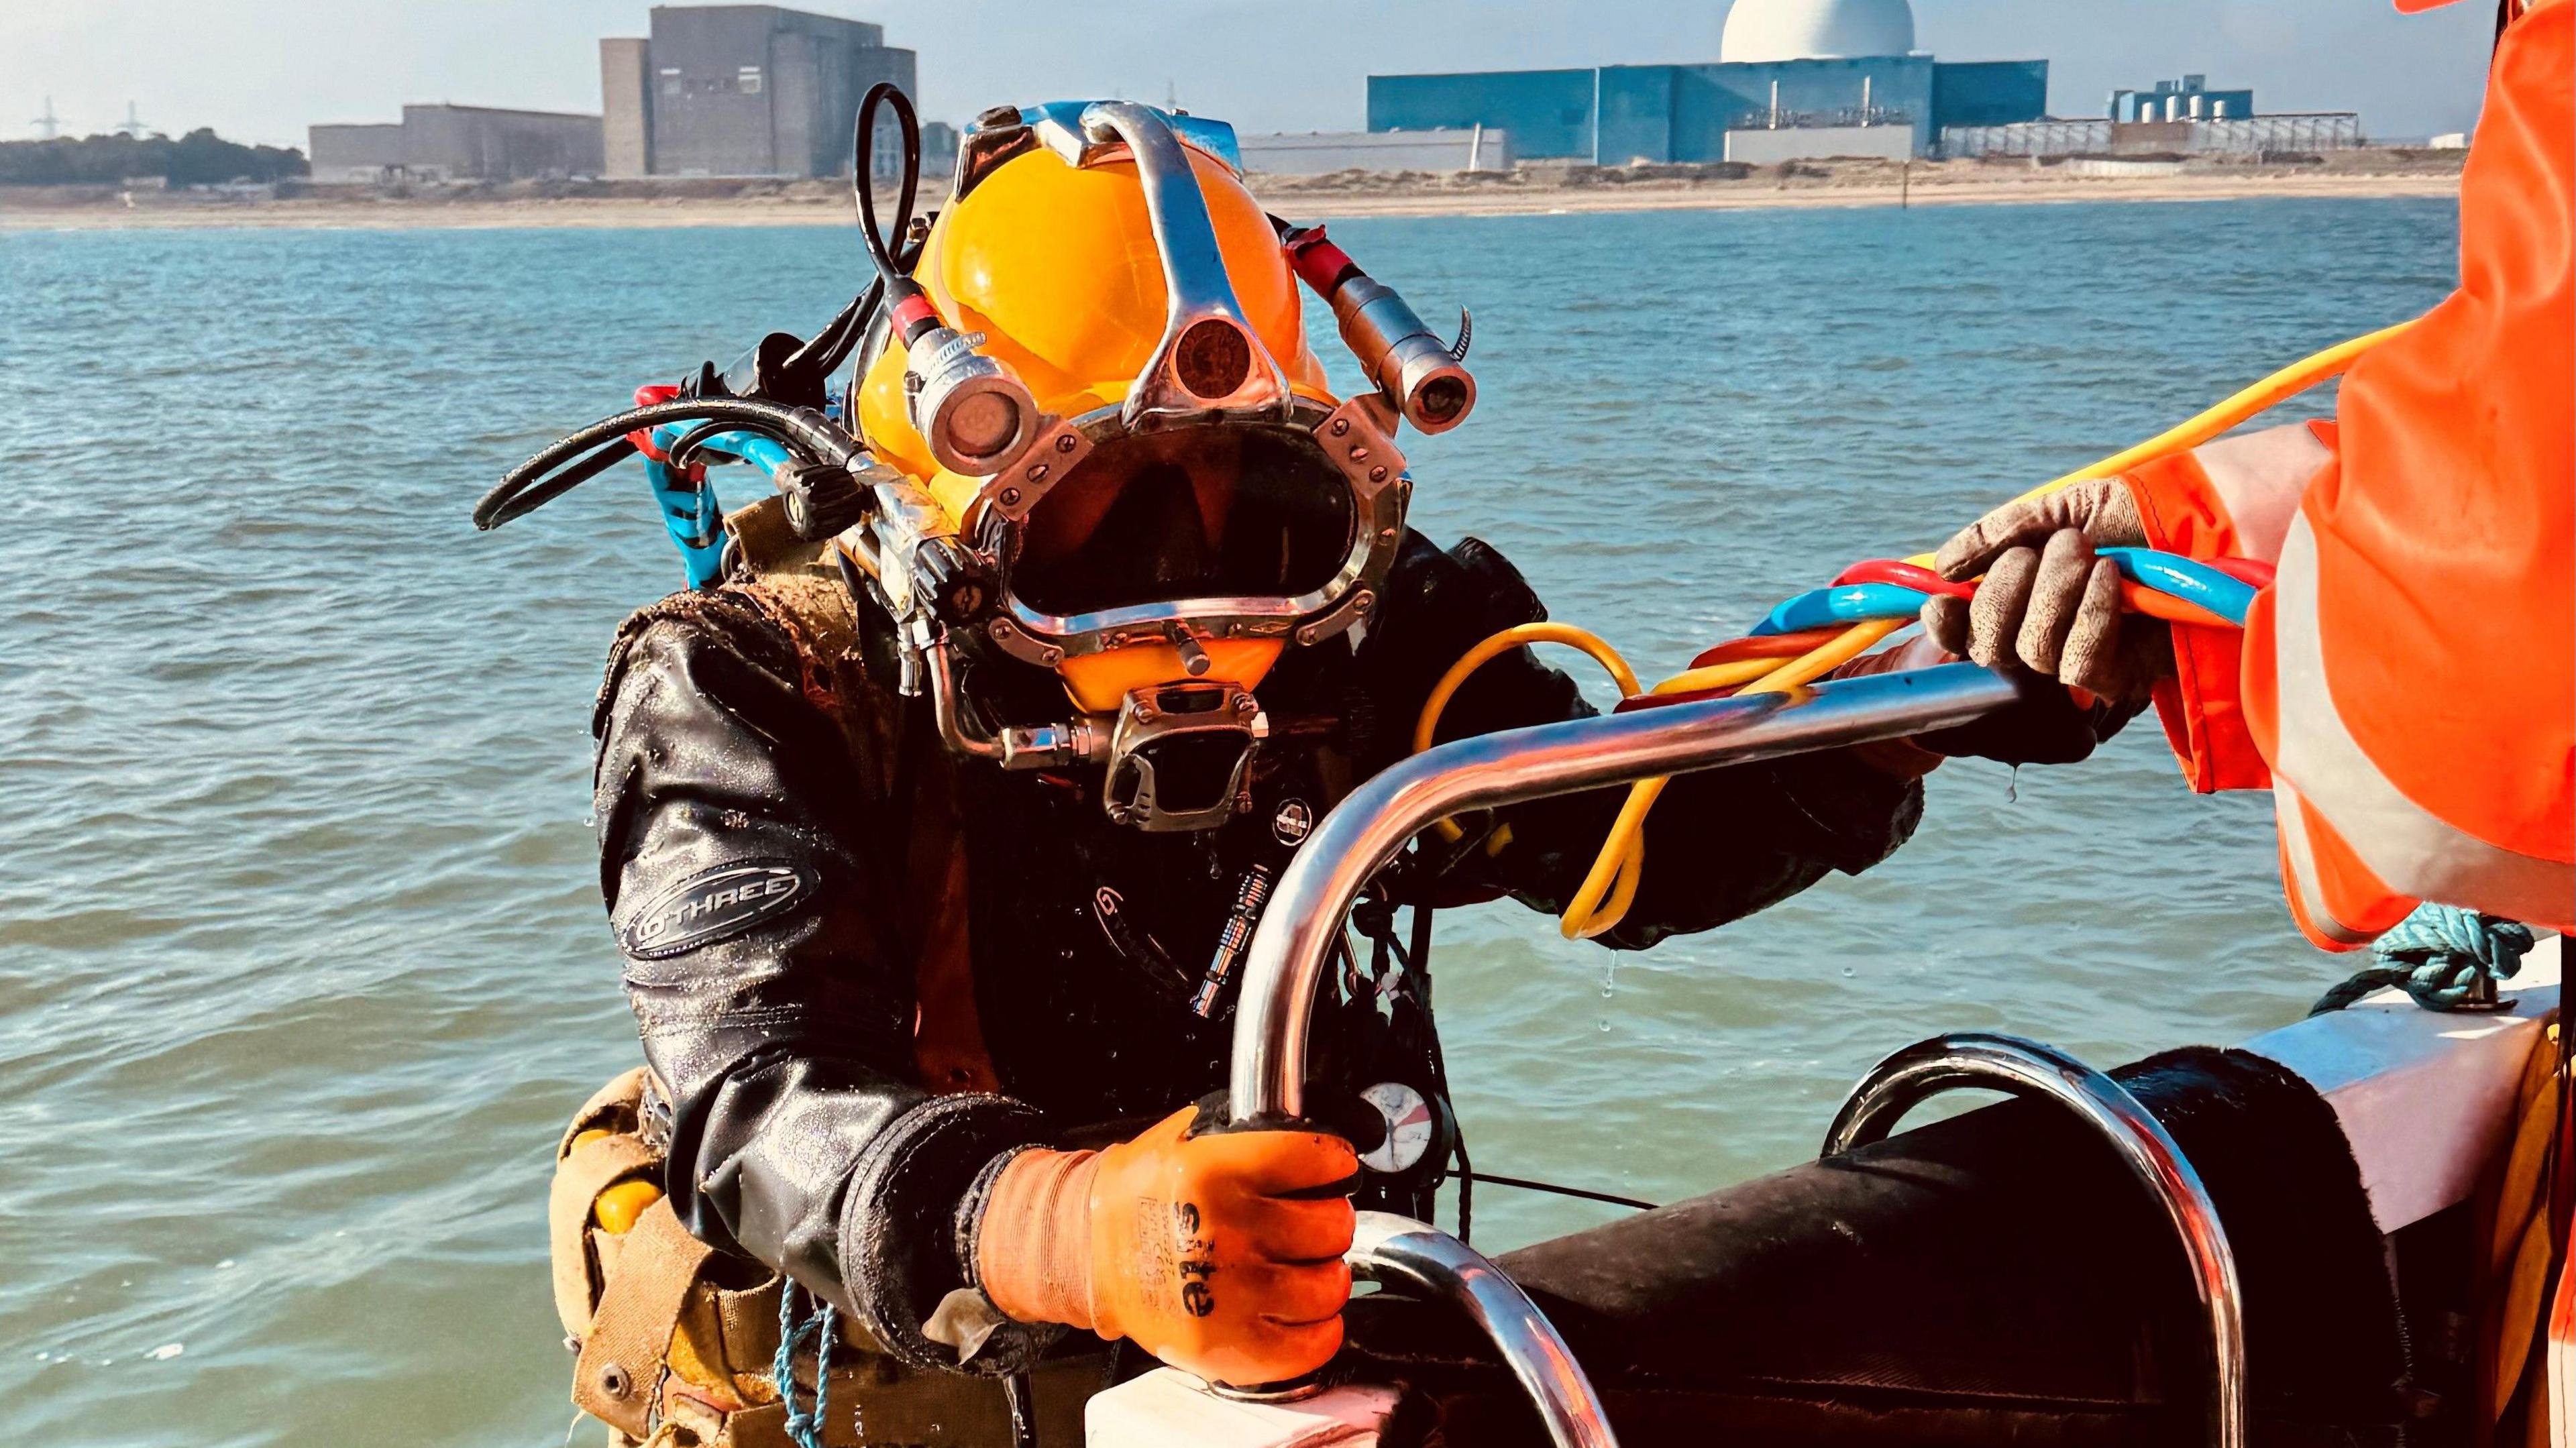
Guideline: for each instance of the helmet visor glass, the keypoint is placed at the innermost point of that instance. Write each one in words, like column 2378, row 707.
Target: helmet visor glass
column 1217, row 511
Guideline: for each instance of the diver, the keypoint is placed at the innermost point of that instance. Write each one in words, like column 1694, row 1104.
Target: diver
column 930, row 832
column 2406, row 687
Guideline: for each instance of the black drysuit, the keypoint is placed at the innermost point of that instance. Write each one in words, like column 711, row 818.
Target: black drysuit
column 782, row 838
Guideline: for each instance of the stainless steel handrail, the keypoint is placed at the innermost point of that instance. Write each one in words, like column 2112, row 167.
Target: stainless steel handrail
column 1364, row 831
column 1400, row 1250
column 1976, row 1059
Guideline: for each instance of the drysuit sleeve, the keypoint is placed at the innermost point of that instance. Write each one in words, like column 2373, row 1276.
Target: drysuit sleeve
column 747, row 874
column 1721, row 844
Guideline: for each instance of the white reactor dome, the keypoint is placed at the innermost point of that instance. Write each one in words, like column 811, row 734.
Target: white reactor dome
column 1760, row 30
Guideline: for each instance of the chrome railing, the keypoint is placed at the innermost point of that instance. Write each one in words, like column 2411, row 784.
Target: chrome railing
column 1314, row 896
column 1400, row 1251
column 2008, row 1063
column 1313, row 900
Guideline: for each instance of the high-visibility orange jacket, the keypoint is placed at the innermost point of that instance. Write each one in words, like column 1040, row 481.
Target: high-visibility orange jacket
column 2407, row 687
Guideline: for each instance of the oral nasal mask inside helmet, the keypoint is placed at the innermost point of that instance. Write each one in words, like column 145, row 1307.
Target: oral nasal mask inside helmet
column 1207, row 512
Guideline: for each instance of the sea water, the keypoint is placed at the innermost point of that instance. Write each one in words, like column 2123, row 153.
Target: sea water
column 302, row 960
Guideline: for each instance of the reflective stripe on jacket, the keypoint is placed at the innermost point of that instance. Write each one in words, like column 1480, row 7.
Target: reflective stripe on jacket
column 2407, row 687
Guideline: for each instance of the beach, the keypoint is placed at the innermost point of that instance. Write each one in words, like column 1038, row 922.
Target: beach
column 1534, row 189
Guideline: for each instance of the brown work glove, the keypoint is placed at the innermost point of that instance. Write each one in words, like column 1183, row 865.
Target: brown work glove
column 2048, row 605
column 1219, row 1253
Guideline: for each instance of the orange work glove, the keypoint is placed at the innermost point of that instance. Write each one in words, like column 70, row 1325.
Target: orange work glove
column 1220, row 1254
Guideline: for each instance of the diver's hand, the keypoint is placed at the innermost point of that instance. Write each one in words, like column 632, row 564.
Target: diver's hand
column 1219, row 1253
column 2044, row 726
column 2048, row 604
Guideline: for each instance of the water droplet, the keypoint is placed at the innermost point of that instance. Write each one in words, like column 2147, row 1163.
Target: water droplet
column 2012, row 786
column 225, row 1265
column 166, row 1351
column 1848, row 972
column 43, row 1356
column 1604, row 1023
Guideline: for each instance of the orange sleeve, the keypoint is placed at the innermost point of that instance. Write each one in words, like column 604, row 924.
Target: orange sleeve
column 2200, row 707
column 2411, row 676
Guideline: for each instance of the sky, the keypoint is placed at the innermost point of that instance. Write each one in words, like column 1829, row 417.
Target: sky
column 262, row 70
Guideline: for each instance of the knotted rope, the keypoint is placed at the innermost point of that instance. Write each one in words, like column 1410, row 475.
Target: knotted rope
column 820, row 1326
column 2446, row 958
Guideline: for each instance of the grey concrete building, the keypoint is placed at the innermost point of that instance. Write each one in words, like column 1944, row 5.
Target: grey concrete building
column 744, row 90
column 626, row 106
column 458, row 143
column 355, row 154
column 1318, row 153
column 481, row 144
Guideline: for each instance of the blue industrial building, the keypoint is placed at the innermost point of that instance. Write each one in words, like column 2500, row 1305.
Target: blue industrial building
column 1783, row 63
column 2187, row 99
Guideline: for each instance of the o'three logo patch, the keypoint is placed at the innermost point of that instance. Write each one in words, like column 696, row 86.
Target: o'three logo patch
column 713, row 905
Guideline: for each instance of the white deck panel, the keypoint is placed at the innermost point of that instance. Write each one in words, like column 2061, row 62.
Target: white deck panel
column 2423, row 1096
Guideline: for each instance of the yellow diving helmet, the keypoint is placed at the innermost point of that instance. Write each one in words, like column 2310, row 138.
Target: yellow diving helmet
column 1106, row 449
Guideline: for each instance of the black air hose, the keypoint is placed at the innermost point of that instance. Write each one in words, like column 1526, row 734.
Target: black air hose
column 531, row 484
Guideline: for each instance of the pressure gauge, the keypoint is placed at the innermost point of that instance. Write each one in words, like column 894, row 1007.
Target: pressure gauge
column 1411, row 1127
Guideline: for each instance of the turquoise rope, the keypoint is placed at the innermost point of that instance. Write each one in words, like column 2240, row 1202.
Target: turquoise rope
column 822, row 1325
column 2445, row 958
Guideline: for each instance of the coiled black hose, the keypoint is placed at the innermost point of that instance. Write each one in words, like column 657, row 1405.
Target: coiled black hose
column 502, row 504
column 831, row 347
column 881, row 245
column 684, row 449
column 534, row 483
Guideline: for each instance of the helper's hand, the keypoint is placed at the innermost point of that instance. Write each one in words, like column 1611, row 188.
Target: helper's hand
column 1220, row 1254
column 2048, row 604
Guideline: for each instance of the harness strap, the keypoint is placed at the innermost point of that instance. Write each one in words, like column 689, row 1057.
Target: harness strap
column 617, row 1106
column 618, row 1375
column 591, row 1168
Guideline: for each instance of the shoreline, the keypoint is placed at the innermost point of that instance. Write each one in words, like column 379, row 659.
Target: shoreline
column 1829, row 185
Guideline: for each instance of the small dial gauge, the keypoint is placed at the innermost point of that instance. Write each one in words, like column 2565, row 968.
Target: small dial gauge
column 1410, row 1127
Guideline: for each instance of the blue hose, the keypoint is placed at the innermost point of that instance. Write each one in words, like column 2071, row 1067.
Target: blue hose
column 689, row 508
column 1851, row 603
column 2187, row 579
column 2167, row 573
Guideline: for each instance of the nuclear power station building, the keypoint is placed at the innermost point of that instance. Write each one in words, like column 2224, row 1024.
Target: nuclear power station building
column 1792, row 78
column 742, row 90
column 714, row 90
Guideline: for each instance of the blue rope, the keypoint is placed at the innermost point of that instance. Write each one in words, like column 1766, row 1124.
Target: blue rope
column 806, row 1429
column 2444, row 957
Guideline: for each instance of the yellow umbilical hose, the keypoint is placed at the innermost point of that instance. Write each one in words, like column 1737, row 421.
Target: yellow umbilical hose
column 1611, row 886
column 1620, row 872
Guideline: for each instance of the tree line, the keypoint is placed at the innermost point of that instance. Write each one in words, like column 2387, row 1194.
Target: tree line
column 199, row 158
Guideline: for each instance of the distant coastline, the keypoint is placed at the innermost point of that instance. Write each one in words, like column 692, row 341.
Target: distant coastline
column 1533, row 190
